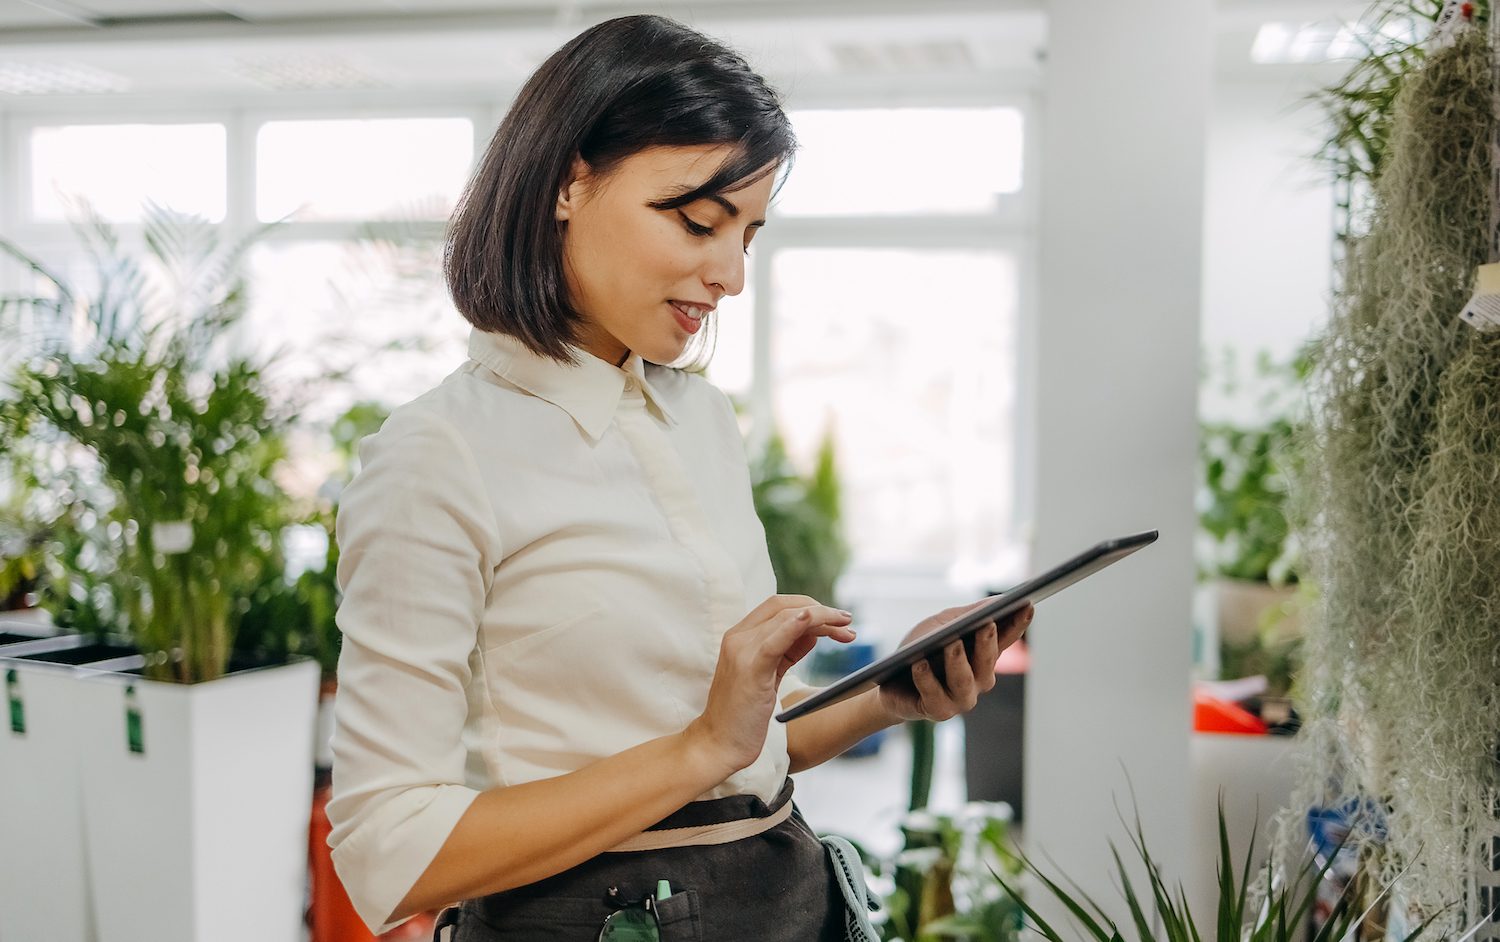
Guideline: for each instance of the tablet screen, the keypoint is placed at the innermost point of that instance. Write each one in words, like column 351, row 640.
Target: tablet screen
column 1029, row 592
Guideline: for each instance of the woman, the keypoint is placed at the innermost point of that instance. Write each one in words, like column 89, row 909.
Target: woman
column 562, row 647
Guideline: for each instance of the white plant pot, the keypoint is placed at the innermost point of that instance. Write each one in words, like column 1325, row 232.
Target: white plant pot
column 43, row 878
column 202, row 836
column 1254, row 776
column 1246, row 609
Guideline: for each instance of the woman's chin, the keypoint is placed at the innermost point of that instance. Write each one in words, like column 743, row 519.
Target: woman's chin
column 663, row 352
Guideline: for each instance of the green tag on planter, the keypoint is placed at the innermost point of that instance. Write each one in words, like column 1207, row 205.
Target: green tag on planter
column 134, row 738
column 17, row 708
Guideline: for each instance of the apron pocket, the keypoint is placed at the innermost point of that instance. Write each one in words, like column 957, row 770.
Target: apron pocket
column 522, row 920
column 564, row 918
column 681, row 918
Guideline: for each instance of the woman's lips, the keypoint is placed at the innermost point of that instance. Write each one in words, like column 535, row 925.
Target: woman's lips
column 685, row 320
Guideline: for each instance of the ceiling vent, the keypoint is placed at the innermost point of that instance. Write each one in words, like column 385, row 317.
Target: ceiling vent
column 945, row 55
column 58, row 78
column 155, row 20
column 303, row 73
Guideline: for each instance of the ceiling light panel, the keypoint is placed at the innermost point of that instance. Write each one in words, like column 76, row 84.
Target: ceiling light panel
column 302, row 72
column 58, row 78
column 900, row 57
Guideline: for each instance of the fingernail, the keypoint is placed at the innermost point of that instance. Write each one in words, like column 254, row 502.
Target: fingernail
column 846, row 614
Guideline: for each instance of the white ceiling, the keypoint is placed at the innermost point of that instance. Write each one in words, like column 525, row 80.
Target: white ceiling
column 83, row 48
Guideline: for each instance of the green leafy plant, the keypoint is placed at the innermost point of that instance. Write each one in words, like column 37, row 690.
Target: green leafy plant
column 174, row 424
column 292, row 614
column 802, row 520
column 1244, row 505
column 1247, row 531
column 1275, row 911
column 938, row 887
column 24, row 539
column 1361, row 106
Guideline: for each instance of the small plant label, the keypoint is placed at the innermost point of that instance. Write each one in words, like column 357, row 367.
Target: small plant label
column 17, row 708
column 1483, row 310
column 134, row 736
column 1452, row 19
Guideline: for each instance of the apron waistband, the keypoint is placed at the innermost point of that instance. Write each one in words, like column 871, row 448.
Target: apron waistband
column 703, row 834
column 715, row 821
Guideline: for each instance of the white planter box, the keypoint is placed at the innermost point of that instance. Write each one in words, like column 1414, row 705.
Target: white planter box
column 43, row 879
column 1256, row 776
column 202, row 837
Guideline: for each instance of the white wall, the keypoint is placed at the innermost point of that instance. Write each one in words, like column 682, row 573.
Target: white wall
column 1268, row 224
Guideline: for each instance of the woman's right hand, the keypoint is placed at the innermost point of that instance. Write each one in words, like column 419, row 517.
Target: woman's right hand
column 753, row 657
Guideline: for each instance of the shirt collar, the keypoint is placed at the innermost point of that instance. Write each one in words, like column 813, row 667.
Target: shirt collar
column 590, row 391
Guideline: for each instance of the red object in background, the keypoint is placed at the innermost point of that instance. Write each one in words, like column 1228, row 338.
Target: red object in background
column 332, row 917
column 1211, row 715
column 1015, row 659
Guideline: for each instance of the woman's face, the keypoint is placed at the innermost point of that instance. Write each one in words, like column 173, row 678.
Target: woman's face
column 643, row 277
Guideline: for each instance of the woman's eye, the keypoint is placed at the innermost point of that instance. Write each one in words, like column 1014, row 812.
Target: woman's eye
column 695, row 228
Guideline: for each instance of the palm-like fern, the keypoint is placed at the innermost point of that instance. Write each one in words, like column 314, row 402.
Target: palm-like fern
column 138, row 380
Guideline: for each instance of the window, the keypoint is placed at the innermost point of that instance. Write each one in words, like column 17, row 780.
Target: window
column 402, row 168
column 882, row 302
column 904, row 355
column 903, row 160
column 896, row 264
column 117, row 168
column 378, row 310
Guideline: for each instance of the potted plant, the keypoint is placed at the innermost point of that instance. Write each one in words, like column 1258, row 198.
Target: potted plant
column 1250, row 906
column 939, row 886
column 175, row 422
column 801, row 516
column 1248, row 544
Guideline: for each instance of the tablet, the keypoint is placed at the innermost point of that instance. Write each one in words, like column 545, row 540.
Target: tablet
column 965, row 626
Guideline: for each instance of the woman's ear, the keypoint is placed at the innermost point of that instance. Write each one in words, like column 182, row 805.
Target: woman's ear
column 573, row 189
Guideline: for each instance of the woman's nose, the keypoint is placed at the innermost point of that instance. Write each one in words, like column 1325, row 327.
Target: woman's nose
column 726, row 271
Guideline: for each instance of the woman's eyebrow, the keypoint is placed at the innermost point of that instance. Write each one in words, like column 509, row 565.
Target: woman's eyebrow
column 732, row 209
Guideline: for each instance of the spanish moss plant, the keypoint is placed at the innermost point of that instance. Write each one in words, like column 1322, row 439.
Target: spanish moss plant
column 1402, row 494
column 1359, row 107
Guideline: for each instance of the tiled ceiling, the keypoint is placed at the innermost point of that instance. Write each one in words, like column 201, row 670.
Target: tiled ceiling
column 257, row 47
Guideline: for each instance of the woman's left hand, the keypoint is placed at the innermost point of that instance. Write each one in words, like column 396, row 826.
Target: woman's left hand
column 922, row 695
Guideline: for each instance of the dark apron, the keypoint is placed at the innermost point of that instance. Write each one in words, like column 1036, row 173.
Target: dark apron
column 777, row 885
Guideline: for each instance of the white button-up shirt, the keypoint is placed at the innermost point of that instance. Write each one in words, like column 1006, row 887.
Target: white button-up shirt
column 538, row 562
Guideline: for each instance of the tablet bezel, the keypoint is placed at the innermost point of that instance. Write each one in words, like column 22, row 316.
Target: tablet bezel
column 1031, row 591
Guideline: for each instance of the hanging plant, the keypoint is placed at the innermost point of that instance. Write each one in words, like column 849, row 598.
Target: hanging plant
column 1359, row 108
column 1401, row 489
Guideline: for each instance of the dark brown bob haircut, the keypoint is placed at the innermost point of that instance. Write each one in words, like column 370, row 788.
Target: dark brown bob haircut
column 616, row 89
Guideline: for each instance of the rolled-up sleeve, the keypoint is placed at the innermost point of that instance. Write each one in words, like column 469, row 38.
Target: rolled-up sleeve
column 418, row 545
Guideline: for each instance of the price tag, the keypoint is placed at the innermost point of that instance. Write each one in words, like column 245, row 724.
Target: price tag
column 17, row 707
column 134, row 734
column 1452, row 20
column 1483, row 310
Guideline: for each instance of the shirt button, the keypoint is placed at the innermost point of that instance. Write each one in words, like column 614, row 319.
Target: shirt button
column 630, row 384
